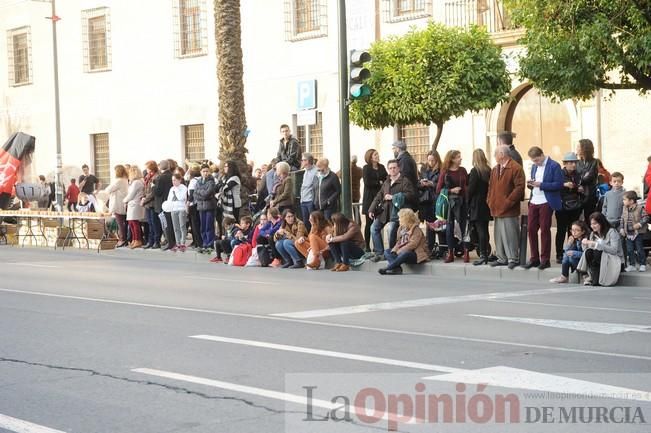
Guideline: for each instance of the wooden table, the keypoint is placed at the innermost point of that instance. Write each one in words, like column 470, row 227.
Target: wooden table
column 70, row 220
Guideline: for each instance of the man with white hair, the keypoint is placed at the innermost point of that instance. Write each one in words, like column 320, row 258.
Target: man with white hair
column 326, row 189
column 505, row 192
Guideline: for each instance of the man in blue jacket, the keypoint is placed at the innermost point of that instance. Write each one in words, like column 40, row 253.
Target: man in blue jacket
column 546, row 183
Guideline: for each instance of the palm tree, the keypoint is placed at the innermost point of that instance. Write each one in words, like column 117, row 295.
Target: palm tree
column 232, row 118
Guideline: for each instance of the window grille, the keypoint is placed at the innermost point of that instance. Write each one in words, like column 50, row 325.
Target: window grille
column 488, row 13
column 316, row 137
column 193, row 143
column 19, row 51
column 305, row 19
column 96, row 29
column 416, row 137
column 101, row 157
column 190, row 28
column 403, row 10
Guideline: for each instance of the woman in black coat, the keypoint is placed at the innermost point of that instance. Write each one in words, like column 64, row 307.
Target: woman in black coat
column 479, row 212
column 374, row 174
column 429, row 177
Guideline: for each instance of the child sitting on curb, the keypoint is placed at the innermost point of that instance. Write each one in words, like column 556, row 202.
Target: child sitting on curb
column 572, row 251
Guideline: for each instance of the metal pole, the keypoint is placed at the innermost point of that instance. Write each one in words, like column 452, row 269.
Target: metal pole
column 58, row 181
column 344, row 126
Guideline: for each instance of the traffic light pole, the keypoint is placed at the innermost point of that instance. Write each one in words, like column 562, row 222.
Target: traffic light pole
column 344, row 121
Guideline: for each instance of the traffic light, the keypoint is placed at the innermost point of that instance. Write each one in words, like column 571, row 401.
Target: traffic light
column 359, row 74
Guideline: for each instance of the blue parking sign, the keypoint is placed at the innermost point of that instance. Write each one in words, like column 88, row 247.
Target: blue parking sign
column 306, row 95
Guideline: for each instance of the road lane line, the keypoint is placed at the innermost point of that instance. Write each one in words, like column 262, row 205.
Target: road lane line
column 340, row 325
column 260, row 392
column 579, row 307
column 19, row 426
column 228, row 280
column 442, row 300
column 516, row 378
column 32, row 265
column 329, row 353
column 573, row 325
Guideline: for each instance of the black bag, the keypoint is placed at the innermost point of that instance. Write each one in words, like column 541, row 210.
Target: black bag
column 573, row 204
column 264, row 255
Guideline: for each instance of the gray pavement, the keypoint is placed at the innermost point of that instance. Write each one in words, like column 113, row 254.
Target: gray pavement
column 102, row 342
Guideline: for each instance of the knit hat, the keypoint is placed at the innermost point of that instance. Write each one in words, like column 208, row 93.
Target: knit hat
column 400, row 145
column 164, row 165
column 570, row 157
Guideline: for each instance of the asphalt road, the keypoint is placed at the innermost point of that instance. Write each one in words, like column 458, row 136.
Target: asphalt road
column 139, row 342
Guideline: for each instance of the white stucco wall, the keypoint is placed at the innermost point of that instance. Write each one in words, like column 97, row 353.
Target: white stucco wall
column 148, row 94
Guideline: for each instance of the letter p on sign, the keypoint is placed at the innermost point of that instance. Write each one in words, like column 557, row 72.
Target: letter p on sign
column 306, row 95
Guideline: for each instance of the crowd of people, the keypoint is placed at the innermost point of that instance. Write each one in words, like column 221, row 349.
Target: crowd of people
column 437, row 211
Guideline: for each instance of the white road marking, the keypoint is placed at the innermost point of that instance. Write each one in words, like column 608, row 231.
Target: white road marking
column 328, row 353
column 340, row 325
column 261, row 392
column 383, row 306
column 32, row 265
column 229, row 280
column 524, row 379
column 579, row 307
column 573, row 325
column 20, row 426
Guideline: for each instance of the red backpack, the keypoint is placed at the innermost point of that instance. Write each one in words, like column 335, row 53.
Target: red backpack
column 240, row 255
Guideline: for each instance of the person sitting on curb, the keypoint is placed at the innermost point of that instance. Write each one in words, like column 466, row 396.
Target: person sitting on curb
column 266, row 234
column 633, row 227
column 411, row 247
column 223, row 245
column 291, row 230
column 602, row 253
column 315, row 242
column 572, row 251
column 346, row 242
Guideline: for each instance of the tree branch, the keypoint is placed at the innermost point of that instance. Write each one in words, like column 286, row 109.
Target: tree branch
column 618, row 86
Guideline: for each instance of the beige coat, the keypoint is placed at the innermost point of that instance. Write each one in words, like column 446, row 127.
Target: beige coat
column 135, row 211
column 417, row 243
column 117, row 191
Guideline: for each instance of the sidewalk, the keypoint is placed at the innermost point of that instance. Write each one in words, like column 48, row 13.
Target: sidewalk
column 458, row 269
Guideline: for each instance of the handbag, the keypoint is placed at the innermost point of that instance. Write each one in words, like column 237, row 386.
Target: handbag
column 311, row 257
column 573, row 204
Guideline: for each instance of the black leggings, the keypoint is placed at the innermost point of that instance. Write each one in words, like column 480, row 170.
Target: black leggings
column 483, row 248
column 593, row 257
column 367, row 232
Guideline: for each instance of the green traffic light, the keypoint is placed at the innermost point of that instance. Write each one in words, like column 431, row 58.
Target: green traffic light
column 358, row 91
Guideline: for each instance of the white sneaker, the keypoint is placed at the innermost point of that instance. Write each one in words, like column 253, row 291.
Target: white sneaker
column 559, row 280
column 643, row 268
column 630, row 268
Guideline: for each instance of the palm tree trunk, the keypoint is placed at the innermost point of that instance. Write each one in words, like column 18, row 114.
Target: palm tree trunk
column 230, row 71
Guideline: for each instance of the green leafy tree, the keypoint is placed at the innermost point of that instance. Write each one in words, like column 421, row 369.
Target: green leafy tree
column 430, row 75
column 574, row 48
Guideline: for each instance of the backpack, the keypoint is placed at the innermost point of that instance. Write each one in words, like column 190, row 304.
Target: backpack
column 264, row 255
column 240, row 255
column 600, row 193
column 442, row 205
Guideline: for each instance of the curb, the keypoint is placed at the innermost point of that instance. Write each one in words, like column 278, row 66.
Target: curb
column 433, row 268
column 633, row 279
